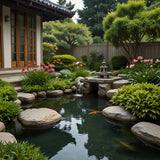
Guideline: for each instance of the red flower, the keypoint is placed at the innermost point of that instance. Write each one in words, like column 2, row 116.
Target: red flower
column 54, row 73
column 23, row 69
column 42, row 64
column 41, row 69
column 49, row 70
column 35, row 69
column 34, row 63
column 27, row 68
column 37, row 65
column 29, row 65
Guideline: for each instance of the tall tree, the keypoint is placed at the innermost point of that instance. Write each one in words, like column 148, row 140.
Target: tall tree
column 93, row 13
column 127, row 26
column 69, row 5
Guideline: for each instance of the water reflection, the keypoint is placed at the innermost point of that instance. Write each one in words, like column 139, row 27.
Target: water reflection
column 81, row 136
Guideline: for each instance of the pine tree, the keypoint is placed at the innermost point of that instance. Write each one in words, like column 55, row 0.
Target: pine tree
column 93, row 13
column 69, row 5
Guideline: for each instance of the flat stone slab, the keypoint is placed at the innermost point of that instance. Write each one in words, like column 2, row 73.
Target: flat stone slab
column 6, row 137
column 67, row 91
column 111, row 93
column 120, row 83
column 148, row 132
column 118, row 113
column 41, row 117
column 78, row 79
column 18, row 89
column 54, row 93
column 100, row 80
column 2, row 127
column 26, row 97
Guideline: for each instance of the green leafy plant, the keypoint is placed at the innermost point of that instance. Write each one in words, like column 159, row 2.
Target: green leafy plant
column 81, row 72
column 65, row 58
column 4, row 83
column 67, row 74
column 95, row 60
column 20, row 151
column 119, row 61
column 141, row 99
column 7, row 93
column 58, row 83
column 8, row 110
column 144, row 70
column 34, row 88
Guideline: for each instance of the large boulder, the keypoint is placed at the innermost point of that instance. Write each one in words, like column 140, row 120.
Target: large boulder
column 41, row 117
column 111, row 93
column 148, row 132
column 103, row 88
column 118, row 113
column 2, row 127
column 120, row 83
column 6, row 137
column 26, row 97
column 54, row 93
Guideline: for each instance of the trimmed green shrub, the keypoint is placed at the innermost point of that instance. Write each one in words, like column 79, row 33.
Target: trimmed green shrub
column 49, row 48
column 66, row 59
column 141, row 99
column 4, row 83
column 21, row 151
column 119, row 61
column 7, row 92
column 8, row 110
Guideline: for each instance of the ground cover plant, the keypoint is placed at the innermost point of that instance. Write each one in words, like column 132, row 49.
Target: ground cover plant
column 141, row 99
column 20, row 151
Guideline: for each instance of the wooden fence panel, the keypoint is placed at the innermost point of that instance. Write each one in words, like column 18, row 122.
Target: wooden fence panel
column 146, row 49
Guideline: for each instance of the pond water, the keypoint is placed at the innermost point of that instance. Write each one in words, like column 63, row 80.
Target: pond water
column 84, row 136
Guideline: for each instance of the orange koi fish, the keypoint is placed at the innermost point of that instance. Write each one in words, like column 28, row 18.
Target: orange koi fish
column 95, row 112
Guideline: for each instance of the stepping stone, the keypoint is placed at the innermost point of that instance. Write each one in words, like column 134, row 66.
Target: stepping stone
column 118, row 113
column 26, row 97
column 67, row 91
column 120, row 83
column 41, row 94
column 18, row 102
column 55, row 93
column 148, row 132
column 6, row 137
column 2, row 127
column 103, row 88
column 18, row 89
column 111, row 93
column 41, row 117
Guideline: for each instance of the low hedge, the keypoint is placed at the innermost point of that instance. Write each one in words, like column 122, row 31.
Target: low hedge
column 66, row 59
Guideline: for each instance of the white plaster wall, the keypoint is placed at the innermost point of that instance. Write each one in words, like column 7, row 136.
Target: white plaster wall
column 39, row 40
column 6, row 37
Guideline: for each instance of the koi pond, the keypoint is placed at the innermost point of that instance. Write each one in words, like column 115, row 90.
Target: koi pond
column 84, row 136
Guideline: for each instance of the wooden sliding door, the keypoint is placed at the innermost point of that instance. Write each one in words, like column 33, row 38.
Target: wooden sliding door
column 1, row 40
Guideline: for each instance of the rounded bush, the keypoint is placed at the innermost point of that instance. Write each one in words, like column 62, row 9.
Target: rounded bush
column 8, row 93
column 66, row 59
column 49, row 39
column 119, row 61
column 142, row 99
column 8, row 110
column 21, row 151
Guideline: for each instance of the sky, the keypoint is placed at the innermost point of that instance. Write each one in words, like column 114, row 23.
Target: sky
column 78, row 5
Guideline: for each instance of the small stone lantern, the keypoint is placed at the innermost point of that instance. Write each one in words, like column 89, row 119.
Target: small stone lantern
column 103, row 70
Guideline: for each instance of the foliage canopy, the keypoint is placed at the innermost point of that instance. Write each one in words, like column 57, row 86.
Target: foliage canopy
column 129, row 24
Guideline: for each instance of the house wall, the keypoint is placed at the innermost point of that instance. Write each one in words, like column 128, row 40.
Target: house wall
column 6, row 37
column 39, row 39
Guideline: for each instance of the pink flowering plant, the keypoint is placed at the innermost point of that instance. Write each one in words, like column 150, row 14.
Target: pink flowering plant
column 35, row 76
column 144, row 70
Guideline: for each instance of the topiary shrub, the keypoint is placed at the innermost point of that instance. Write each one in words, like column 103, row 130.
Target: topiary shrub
column 66, row 59
column 7, row 93
column 20, row 151
column 8, row 110
column 141, row 99
column 119, row 61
